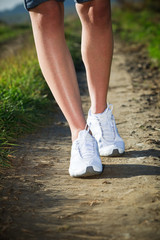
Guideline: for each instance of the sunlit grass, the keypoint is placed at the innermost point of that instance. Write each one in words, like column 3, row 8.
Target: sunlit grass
column 142, row 27
column 24, row 100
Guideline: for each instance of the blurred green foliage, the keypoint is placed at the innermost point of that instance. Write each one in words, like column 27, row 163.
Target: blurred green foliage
column 73, row 38
column 8, row 32
column 141, row 27
column 140, row 4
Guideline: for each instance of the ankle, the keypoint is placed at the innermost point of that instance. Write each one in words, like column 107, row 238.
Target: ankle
column 98, row 109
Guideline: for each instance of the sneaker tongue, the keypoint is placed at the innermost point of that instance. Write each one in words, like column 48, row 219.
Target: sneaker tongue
column 86, row 143
column 83, row 134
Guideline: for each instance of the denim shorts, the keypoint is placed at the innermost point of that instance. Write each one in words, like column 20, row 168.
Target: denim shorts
column 33, row 3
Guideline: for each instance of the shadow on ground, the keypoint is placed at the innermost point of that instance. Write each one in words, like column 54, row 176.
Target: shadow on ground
column 142, row 153
column 128, row 170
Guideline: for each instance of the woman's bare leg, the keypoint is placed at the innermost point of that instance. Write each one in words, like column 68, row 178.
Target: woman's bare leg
column 56, row 63
column 97, row 48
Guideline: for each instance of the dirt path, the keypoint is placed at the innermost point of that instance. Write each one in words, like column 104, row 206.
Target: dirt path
column 41, row 201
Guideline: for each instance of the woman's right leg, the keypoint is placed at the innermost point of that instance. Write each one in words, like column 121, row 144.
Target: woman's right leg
column 56, row 63
column 58, row 70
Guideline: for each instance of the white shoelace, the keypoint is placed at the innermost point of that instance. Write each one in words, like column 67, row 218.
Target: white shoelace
column 107, row 130
column 86, row 147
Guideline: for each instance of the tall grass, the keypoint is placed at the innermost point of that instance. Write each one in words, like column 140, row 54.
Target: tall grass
column 25, row 99
column 142, row 27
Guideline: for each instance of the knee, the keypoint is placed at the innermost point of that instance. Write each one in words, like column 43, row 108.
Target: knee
column 48, row 14
column 96, row 12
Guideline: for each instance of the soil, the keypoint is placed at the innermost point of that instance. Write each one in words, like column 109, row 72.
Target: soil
column 39, row 200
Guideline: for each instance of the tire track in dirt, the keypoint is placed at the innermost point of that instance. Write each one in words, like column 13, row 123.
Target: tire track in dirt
column 39, row 200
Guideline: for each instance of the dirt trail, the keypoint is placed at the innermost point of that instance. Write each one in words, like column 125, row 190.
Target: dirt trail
column 41, row 201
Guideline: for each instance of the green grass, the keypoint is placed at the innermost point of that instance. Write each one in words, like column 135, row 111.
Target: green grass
column 8, row 32
column 25, row 99
column 141, row 27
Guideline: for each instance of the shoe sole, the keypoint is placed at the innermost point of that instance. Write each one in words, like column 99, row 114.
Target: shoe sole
column 115, row 153
column 89, row 172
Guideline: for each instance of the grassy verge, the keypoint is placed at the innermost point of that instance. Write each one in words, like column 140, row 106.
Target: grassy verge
column 8, row 32
column 25, row 99
column 141, row 27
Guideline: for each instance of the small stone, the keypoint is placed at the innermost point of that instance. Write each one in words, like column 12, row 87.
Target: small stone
column 106, row 182
column 5, row 198
column 139, row 66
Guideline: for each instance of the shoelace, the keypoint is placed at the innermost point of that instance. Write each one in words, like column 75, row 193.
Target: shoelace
column 86, row 148
column 105, row 131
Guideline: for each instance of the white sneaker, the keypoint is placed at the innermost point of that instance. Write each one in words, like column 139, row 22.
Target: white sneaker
column 104, row 130
column 85, row 160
